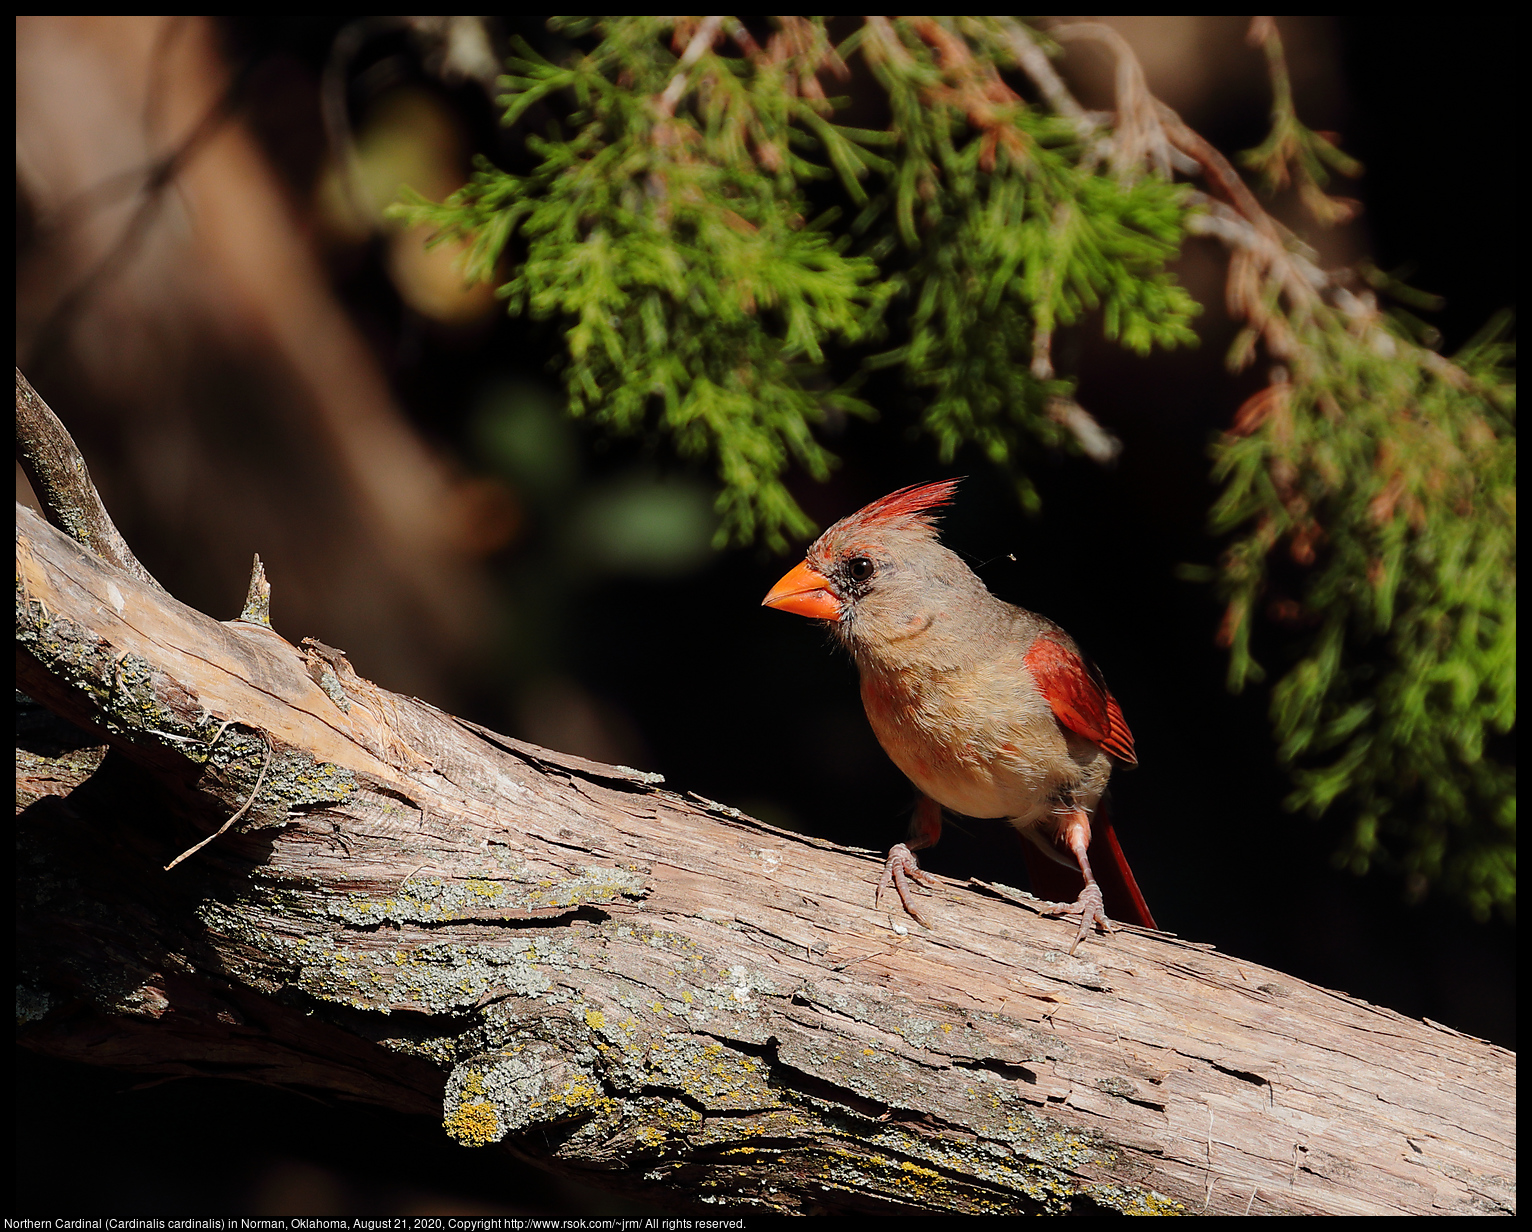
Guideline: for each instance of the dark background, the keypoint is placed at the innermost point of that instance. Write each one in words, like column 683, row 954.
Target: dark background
column 673, row 666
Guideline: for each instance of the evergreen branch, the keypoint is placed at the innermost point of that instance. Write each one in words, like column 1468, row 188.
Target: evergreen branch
column 1138, row 139
column 702, row 41
column 668, row 234
column 1293, row 153
column 1414, row 636
column 1370, row 455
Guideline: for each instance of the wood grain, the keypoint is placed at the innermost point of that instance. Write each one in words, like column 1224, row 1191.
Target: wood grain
column 645, row 988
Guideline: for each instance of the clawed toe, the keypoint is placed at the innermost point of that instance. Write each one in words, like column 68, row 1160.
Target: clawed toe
column 901, row 864
column 1088, row 907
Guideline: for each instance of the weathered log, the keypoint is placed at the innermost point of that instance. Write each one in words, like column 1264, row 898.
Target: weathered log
column 648, row 989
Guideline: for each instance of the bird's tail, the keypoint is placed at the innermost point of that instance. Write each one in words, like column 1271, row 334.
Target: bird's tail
column 1120, row 894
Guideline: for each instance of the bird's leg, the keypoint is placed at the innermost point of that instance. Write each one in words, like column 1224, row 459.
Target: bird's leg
column 1074, row 831
column 925, row 829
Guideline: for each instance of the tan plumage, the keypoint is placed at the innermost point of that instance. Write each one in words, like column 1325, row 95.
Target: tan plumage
column 989, row 709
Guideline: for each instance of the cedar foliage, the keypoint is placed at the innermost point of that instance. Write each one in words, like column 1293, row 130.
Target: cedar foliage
column 673, row 237
column 667, row 227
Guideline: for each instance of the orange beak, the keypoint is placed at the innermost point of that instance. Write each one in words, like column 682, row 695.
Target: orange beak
column 804, row 591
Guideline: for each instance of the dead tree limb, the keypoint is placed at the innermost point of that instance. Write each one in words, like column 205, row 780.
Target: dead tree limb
column 56, row 470
column 651, row 990
column 610, row 979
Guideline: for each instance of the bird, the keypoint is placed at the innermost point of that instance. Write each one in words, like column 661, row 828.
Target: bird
column 988, row 709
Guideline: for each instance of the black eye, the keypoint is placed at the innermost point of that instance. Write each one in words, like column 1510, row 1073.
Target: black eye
column 859, row 568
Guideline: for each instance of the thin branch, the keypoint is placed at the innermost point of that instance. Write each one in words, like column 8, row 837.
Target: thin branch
column 1034, row 62
column 1226, row 181
column 260, row 779
column 706, row 34
column 1305, row 281
column 1262, row 250
column 1095, row 442
column 56, row 470
column 337, row 119
column 1294, row 154
column 159, row 176
column 1140, row 139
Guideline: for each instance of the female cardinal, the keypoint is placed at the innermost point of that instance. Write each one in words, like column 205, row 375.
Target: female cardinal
column 991, row 710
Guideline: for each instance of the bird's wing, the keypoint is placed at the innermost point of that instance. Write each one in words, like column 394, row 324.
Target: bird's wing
column 1079, row 697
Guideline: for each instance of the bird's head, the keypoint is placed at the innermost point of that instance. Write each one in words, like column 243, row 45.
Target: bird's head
column 874, row 575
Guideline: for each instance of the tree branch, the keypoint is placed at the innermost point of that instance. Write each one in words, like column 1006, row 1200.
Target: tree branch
column 701, row 42
column 56, row 470
column 655, row 993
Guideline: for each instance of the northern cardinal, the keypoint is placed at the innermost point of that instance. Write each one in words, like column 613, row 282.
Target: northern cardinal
column 990, row 710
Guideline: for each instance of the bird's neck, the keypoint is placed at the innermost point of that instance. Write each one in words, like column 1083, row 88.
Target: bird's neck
column 936, row 627
column 921, row 646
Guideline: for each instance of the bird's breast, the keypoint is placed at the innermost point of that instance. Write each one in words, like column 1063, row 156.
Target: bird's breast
column 974, row 747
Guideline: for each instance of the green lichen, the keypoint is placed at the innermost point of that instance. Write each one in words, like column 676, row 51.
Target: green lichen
column 32, row 1004
column 712, row 1076
column 1036, row 1157
column 1131, row 1200
column 71, row 767
column 439, row 1050
column 434, row 901
column 443, row 978
column 527, row 1084
column 783, row 1122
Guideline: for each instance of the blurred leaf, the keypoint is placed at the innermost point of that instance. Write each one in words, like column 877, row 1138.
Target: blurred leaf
column 519, row 429
column 641, row 526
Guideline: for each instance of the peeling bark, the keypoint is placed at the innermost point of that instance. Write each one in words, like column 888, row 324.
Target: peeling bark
column 647, row 989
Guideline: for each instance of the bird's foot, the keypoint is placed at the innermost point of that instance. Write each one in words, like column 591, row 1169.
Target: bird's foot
column 1088, row 907
column 901, row 863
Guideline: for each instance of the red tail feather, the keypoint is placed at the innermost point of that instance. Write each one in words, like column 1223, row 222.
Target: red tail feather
column 1120, row 894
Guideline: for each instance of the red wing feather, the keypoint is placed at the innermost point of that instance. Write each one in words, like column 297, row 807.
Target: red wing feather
column 1078, row 697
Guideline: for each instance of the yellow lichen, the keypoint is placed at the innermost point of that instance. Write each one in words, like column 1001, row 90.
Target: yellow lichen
column 475, row 1124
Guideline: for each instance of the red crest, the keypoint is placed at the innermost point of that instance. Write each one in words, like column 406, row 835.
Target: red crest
column 916, row 503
